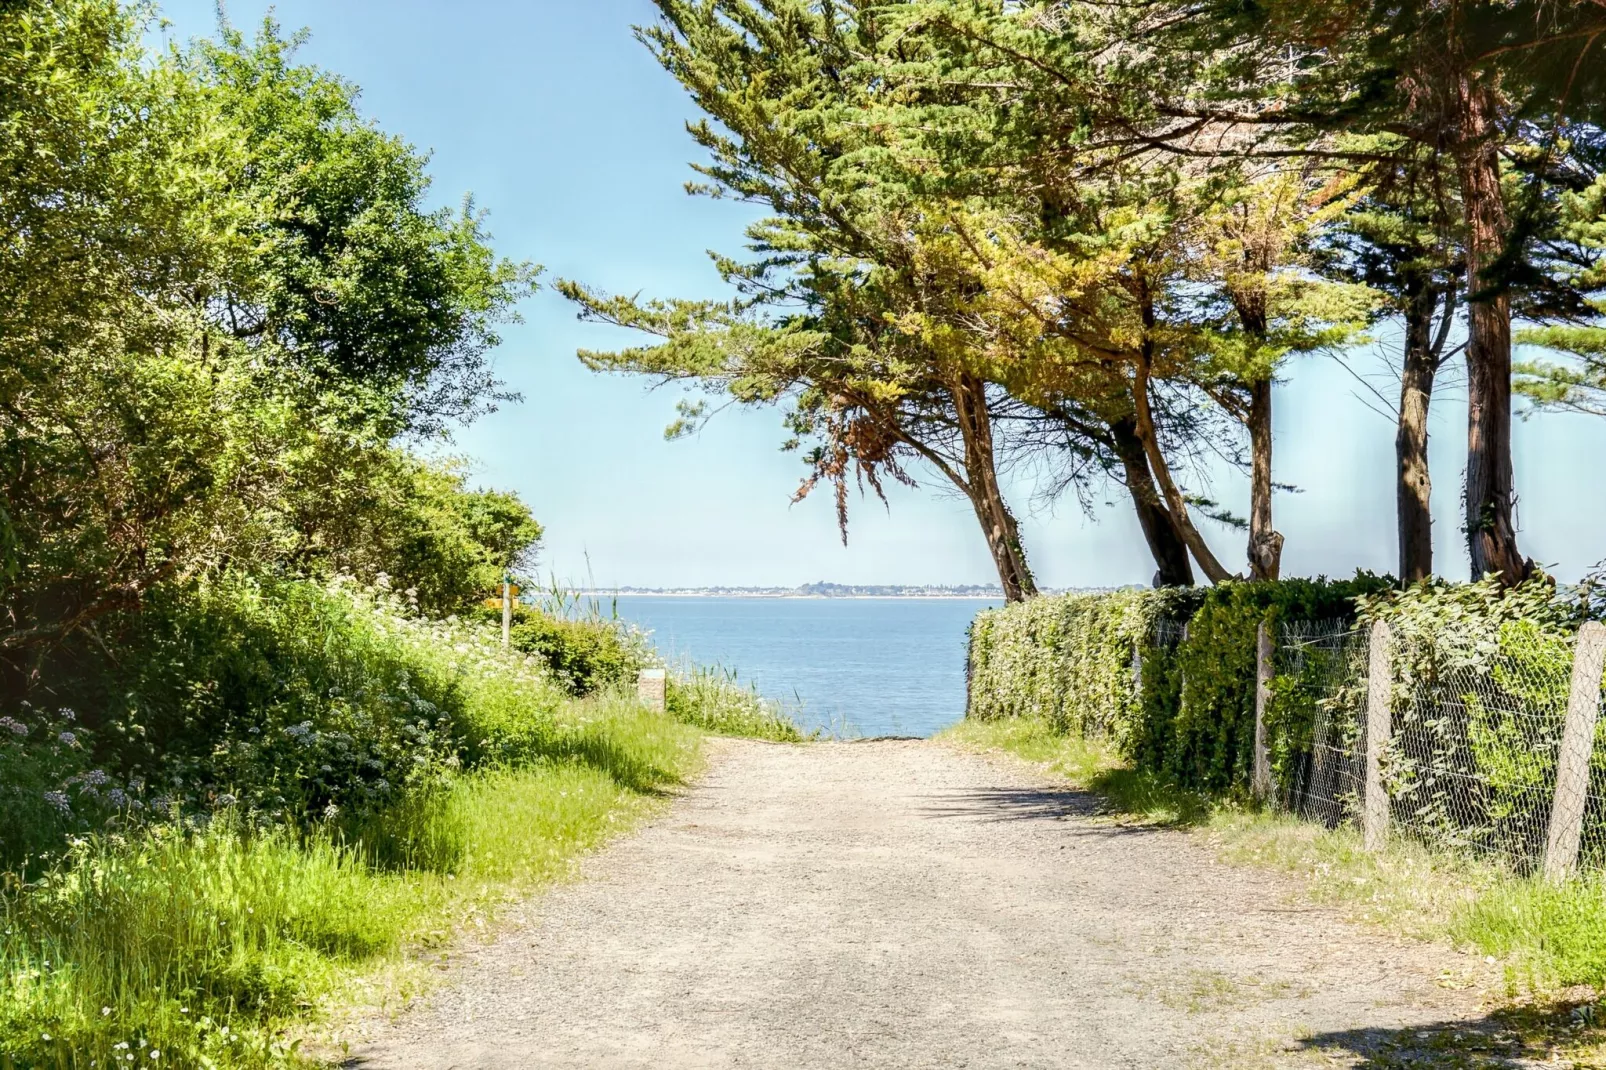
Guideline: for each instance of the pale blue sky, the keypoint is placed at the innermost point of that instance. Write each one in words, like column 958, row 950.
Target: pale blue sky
column 567, row 131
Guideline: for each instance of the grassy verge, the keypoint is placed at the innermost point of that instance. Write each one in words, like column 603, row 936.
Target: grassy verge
column 1551, row 939
column 207, row 946
column 713, row 700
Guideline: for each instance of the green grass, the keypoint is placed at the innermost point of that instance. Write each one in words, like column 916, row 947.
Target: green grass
column 713, row 699
column 212, row 946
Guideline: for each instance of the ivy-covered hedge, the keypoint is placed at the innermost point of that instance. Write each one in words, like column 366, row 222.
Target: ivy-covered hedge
column 1167, row 675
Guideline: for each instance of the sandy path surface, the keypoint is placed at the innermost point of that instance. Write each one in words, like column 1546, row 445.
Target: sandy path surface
column 902, row 904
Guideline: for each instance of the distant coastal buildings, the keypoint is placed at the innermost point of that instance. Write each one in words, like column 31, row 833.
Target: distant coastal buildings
column 813, row 590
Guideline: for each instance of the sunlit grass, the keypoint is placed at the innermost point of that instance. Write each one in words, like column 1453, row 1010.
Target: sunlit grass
column 1089, row 764
column 714, row 700
column 207, row 946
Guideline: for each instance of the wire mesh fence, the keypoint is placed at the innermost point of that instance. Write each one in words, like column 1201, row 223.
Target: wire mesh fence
column 1472, row 763
column 1326, row 664
column 1474, row 755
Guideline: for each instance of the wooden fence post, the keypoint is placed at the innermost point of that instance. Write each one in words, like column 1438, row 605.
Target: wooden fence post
column 1577, row 747
column 651, row 688
column 1265, row 666
column 507, row 611
column 1379, row 729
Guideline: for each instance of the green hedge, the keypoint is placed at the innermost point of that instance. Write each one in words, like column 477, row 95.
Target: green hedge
column 1167, row 675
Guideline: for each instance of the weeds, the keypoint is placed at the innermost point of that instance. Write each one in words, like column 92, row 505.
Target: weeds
column 210, row 936
column 713, row 699
column 207, row 944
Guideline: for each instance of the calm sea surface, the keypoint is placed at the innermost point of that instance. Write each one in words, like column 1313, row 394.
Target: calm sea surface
column 854, row 666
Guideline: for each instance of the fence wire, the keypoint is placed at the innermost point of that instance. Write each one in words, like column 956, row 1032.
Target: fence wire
column 1473, row 755
column 1326, row 662
column 1472, row 763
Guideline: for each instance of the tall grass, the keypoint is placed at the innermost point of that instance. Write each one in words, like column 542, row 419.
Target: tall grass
column 205, row 945
column 714, row 700
column 210, row 939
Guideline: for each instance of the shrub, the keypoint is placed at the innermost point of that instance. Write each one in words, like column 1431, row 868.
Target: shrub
column 44, row 772
column 286, row 700
column 587, row 653
column 1175, row 701
column 1211, row 744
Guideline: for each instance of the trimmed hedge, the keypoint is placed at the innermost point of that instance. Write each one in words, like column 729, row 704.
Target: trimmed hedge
column 1167, row 675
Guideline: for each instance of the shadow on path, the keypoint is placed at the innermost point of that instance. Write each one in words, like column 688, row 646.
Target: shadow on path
column 1505, row 1040
column 1014, row 804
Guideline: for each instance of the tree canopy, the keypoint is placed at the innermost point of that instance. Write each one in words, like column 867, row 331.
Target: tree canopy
column 1090, row 236
column 223, row 298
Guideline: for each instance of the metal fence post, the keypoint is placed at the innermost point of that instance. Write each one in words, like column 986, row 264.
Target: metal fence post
column 1577, row 747
column 1379, row 728
column 1264, row 666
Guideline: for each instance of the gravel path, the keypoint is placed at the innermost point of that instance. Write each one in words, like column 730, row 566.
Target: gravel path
column 903, row 904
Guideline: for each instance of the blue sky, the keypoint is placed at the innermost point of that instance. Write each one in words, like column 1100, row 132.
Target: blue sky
column 573, row 138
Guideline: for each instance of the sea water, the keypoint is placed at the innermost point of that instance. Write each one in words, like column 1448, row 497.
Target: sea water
column 850, row 666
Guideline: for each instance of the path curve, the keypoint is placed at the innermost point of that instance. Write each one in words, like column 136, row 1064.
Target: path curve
column 904, row 904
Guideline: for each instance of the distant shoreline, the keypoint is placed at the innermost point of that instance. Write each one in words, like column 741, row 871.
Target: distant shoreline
column 786, row 595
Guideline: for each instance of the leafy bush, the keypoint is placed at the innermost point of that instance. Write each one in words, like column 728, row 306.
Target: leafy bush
column 1505, row 658
column 376, row 511
column 1211, row 737
column 587, row 653
column 1177, row 701
column 44, row 772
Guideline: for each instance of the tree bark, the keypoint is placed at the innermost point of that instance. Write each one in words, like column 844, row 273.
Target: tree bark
column 1265, row 542
column 1174, row 500
column 986, row 497
column 1160, row 528
column 1414, row 484
column 1490, row 525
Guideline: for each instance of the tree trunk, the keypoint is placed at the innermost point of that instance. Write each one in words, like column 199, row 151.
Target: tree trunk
column 1414, row 486
column 986, row 497
column 1160, row 528
column 1174, row 500
column 1490, row 526
column 1265, row 542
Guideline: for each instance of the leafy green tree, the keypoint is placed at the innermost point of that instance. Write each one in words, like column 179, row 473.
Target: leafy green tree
column 1400, row 239
column 838, row 315
column 1468, row 79
column 339, row 266
column 1125, row 270
column 218, row 282
column 374, row 512
column 110, row 437
column 1573, row 247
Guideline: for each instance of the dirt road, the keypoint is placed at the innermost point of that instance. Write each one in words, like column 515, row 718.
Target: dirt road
column 902, row 904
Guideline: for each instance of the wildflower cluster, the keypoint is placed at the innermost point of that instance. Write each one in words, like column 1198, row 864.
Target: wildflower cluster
column 49, row 784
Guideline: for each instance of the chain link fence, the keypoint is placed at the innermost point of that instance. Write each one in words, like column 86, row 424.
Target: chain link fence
column 1326, row 662
column 1474, row 754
